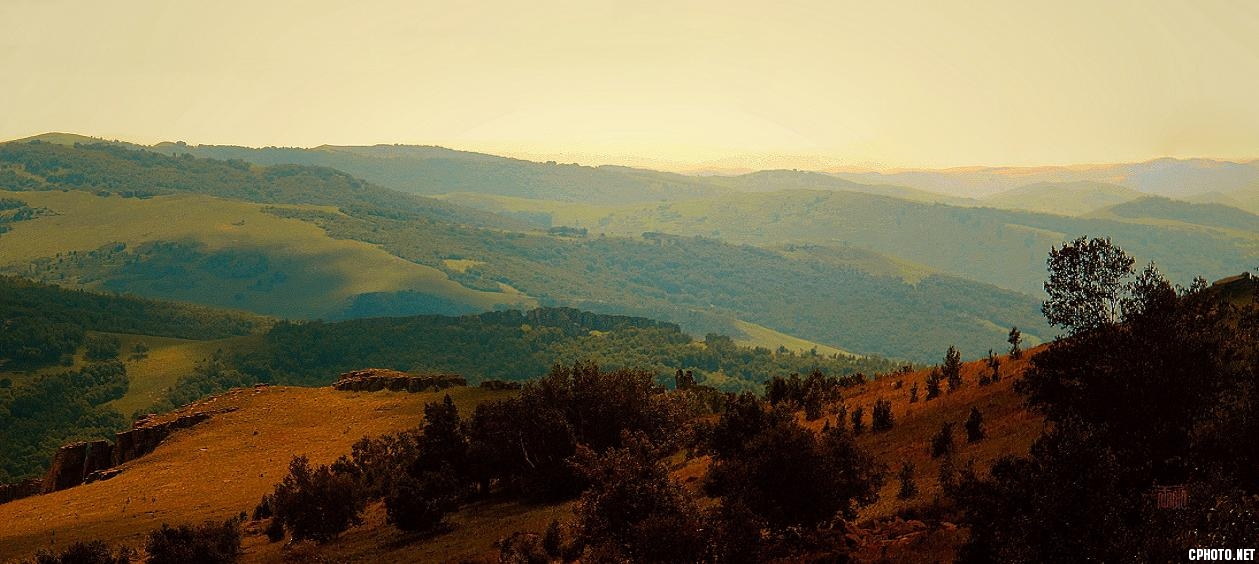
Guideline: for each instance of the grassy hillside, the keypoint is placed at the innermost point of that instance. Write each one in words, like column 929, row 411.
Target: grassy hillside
column 224, row 253
column 219, row 468
column 705, row 284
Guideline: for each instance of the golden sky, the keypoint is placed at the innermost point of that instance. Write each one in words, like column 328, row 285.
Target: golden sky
column 675, row 83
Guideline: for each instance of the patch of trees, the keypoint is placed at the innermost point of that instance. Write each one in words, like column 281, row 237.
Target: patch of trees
column 42, row 323
column 1151, row 390
column 40, row 415
column 208, row 543
column 525, row 446
column 513, row 346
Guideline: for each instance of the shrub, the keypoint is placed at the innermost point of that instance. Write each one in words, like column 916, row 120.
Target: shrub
column 92, row 552
column 208, row 543
column 857, row 424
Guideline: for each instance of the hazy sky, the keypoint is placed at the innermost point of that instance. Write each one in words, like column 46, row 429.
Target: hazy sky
column 877, row 83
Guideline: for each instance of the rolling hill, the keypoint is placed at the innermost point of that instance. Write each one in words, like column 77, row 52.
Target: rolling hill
column 1005, row 248
column 304, row 242
column 1063, row 198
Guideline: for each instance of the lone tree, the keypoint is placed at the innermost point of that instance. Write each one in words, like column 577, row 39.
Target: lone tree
column 1087, row 279
column 882, row 418
column 909, row 488
column 913, row 393
column 942, row 442
column 857, row 424
column 952, row 368
column 933, row 383
column 974, row 426
column 1016, row 343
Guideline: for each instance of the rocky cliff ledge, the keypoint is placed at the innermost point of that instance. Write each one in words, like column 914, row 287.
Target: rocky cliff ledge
column 377, row 379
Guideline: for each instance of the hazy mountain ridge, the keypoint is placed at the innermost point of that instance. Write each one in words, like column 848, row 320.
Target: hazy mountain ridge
column 1169, row 177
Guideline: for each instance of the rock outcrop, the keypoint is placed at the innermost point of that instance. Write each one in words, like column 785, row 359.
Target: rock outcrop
column 91, row 461
column 145, row 435
column 377, row 379
column 73, row 462
column 25, row 488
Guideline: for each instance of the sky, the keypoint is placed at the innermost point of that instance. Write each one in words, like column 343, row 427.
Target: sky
column 673, row 84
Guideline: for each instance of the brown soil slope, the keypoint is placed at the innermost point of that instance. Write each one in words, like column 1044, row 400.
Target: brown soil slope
column 217, row 469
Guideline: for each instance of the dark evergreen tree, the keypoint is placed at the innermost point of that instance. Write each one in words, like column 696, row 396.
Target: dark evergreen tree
column 909, row 488
column 933, row 383
column 952, row 368
column 913, row 393
column 974, row 426
column 857, row 424
column 882, row 416
column 1016, row 343
column 942, row 442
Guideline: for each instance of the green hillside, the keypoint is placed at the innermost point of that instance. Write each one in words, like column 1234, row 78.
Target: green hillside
column 1001, row 247
column 225, row 253
column 296, row 259
column 706, row 284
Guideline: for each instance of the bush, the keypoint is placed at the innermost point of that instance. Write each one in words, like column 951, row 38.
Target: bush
column 208, row 543
column 93, row 552
column 317, row 504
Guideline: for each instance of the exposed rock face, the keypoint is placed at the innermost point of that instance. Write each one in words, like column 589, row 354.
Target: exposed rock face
column 377, row 379
column 26, row 488
column 144, row 436
column 91, row 461
column 74, row 462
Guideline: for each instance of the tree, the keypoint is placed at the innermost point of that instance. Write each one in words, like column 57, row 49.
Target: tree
column 316, row 504
column 857, row 424
column 634, row 510
column 913, row 393
column 933, row 383
column 421, row 502
column 942, row 442
column 909, row 488
column 974, row 425
column 102, row 347
column 788, row 476
column 882, row 418
column 1086, row 284
column 952, row 368
column 443, row 442
column 1016, row 343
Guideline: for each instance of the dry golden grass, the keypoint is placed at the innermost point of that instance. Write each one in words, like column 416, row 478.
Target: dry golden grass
column 1010, row 428
column 218, row 468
